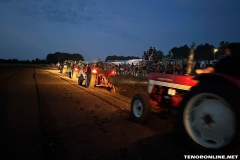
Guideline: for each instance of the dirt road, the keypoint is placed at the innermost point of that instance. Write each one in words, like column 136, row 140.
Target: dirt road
column 46, row 115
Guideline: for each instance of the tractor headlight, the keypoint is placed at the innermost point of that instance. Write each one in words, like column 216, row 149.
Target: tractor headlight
column 171, row 91
column 94, row 71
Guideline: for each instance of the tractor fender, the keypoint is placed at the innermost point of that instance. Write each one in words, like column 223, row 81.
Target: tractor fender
column 219, row 78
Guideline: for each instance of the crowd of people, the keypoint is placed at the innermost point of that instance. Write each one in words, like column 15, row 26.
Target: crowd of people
column 143, row 67
column 168, row 66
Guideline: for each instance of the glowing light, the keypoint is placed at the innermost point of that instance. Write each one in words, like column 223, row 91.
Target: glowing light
column 94, row 71
column 113, row 72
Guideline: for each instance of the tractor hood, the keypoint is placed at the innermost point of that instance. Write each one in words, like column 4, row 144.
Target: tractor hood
column 172, row 78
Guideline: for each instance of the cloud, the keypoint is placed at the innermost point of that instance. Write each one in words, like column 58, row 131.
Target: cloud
column 73, row 12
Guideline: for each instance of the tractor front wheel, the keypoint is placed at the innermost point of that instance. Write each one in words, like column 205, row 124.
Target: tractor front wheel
column 80, row 79
column 209, row 117
column 140, row 108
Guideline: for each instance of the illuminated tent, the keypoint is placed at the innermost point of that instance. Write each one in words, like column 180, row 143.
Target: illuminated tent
column 134, row 61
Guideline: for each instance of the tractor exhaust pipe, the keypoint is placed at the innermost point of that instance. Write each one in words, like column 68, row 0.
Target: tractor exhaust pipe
column 190, row 60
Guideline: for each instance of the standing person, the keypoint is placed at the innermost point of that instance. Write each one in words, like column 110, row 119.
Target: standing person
column 132, row 69
column 154, row 66
column 100, row 64
column 184, row 67
column 168, row 68
column 144, row 69
column 227, row 52
column 136, row 70
column 121, row 69
column 88, row 74
column 150, row 53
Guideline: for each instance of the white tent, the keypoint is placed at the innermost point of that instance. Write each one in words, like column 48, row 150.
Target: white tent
column 118, row 63
column 134, row 61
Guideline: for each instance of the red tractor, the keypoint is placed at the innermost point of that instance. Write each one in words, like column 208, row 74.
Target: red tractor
column 94, row 76
column 77, row 69
column 207, row 107
column 73, row 73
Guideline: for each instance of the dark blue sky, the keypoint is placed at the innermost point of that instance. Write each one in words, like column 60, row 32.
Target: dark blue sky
column 31, row 29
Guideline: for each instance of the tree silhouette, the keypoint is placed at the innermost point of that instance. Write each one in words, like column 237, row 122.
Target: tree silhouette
column 180, row 52
column 60, row 57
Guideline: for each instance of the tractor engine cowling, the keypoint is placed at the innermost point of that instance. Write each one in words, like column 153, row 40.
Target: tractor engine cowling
column 167, row 90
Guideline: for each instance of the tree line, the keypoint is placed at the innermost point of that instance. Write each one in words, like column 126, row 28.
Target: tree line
column 60, row 57
column 201, row 52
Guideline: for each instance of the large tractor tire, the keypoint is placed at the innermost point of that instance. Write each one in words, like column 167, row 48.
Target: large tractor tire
column 90, row 80
column 208, row 117
column 140, row 108
column 64, row 69
column 74, row 74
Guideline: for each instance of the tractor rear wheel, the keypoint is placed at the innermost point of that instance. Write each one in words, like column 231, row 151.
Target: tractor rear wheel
column 209, row 117
column 140, row 108
column 90, row 80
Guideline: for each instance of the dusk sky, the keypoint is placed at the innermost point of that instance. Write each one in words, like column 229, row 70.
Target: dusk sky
column 31, row 29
